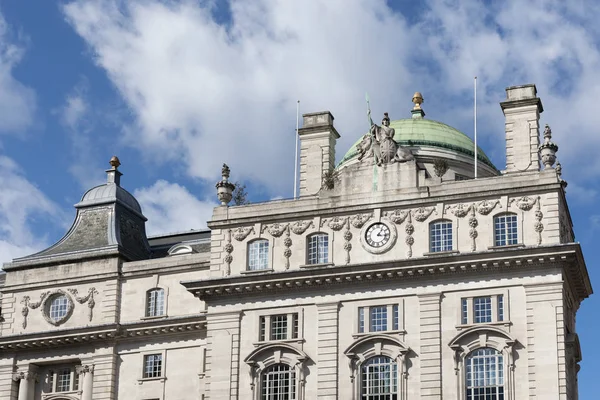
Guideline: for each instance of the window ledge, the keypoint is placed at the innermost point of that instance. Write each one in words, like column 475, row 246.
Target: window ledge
column 321, row 265
column 497, row 323
column 440, row 253
column 299, row 340
column 154, row 317
column 256, row 271
column 159, row 378
column 362, row 334
column 506, row 246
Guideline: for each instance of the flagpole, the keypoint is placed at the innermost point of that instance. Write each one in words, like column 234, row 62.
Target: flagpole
column 296, row 152
column 475, row 121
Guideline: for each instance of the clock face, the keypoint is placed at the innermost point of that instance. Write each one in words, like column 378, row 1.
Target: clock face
column 378, row 235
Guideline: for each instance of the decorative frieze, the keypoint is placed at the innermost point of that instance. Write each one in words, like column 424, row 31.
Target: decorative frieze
column 524, row 203
column 299, row 227
column 89, row 299
column 485, row 207
column 242, row 233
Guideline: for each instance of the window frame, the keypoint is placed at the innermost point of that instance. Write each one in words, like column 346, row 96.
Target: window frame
column 499, row 369
column 291, row 380
column 309, row 238
column 147, row 313
column 394, row 379
column 394, row 318
column 52, row 374
column 443, row 239
column 292, row 327
column 251, row 243
column 497, row 298
column 142, row 363
column 517, row 239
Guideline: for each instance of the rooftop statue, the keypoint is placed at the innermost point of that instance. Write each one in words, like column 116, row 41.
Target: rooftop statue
column 382, row 146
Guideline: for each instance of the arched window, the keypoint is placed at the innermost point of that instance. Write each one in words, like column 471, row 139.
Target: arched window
column 484, row 375
column 258, row 255
column 379, row 379
column 318, row 248
column 155, row 302
column 505, row 230
column 278, row 382
column 440, row 236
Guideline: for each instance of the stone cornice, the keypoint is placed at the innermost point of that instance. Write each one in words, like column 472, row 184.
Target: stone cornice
column 100, row 333
column 568, row 256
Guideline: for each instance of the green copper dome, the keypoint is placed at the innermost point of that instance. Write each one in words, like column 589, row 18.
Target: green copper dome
column 427, row 133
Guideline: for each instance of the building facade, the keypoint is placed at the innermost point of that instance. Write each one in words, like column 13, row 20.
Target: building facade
column 394, row 275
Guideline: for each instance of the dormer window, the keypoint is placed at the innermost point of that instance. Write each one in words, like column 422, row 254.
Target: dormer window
column 258, row 255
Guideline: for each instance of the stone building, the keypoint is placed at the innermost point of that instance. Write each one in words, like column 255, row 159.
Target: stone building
column 394, row 275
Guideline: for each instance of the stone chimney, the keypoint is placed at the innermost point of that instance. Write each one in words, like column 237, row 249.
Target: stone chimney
column 522, row 110
column 317, row 150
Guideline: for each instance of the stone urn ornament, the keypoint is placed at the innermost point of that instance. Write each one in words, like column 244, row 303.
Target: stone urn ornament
column 224, row 187
column 548, row 149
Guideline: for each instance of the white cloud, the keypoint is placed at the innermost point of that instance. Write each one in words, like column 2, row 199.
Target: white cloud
column 204, row 93
column 171, row 208
column 21, row 206
column 17, row 101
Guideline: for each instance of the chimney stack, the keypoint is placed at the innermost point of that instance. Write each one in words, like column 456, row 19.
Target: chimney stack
column 522, row 110
column 317, row 150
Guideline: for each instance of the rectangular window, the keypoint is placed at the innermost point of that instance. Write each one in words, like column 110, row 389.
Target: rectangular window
column 258, row 255
column 482, row 310
column 464, row 312
column 153, row 366
column 500, row 300
column 62, row 380
column 278, row 327
column 155, row 302
column 505, row 230
column 396, row 317
column 318, row 248
column 440, row 236
column 378, row 319
column 361, row 319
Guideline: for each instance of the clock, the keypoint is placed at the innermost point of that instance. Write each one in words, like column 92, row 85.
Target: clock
column 378, row 237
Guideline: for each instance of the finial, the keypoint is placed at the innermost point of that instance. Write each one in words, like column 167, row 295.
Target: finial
column 417, row 112
column 114, row 162
column 224, row 187
column 417, row 100
column 548, row 149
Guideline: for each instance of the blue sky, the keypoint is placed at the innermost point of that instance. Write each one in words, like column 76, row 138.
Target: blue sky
column 176, row 88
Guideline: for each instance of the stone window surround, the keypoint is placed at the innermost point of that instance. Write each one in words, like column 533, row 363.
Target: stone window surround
column 479, row 337
column 163, row 366
column 51, row 392
column 289, row 312
column 378, row 344
column 390, row 316
column 270, row 354
column 165, row 301
column 454, row 224
column 271, row 242
column 493, row 293
column 520, row 226
column 327, row 255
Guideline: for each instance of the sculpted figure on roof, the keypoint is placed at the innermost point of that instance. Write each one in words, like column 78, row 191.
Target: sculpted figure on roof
column 385, row 150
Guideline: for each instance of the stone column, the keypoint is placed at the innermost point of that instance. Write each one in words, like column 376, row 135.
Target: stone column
column 26, row 379
column 86, row 380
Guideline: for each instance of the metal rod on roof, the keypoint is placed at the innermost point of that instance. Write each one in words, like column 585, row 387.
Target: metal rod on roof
column 475, row 122
column 296, row 153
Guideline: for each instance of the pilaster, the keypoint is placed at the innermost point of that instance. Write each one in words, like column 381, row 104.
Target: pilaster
column 430, row 346
column 327, row 350
column 8, row 388
column 545, row 340
column 222, row 356
column 103, row 375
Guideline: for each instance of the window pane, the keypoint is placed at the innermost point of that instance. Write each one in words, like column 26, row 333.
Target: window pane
column 318, row 249
column 361, row 319
column 440, row 236
column 378, row 318
column 295, row 326
column 263, row 329
column 396, row 317
column 505, row 230
column 58, row 307
column 258, row 255
column 279, row 327
column 484, row 375
column 500, row 307
column 152, row 366
column 464, row 312
column 63, row 380
column 155, row 303
column 278, row 383
column 379, row 379
column 482, row 310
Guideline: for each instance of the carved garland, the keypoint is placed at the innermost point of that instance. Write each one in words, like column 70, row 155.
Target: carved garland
column 33, row 306
column 538, row 226
column 287, row 242
column 399, row 216
column 347, row 238
column 229, row 250
column 89, row 299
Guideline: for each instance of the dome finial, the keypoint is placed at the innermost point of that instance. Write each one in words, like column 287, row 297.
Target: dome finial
column 417, row 111
column 114, row 162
